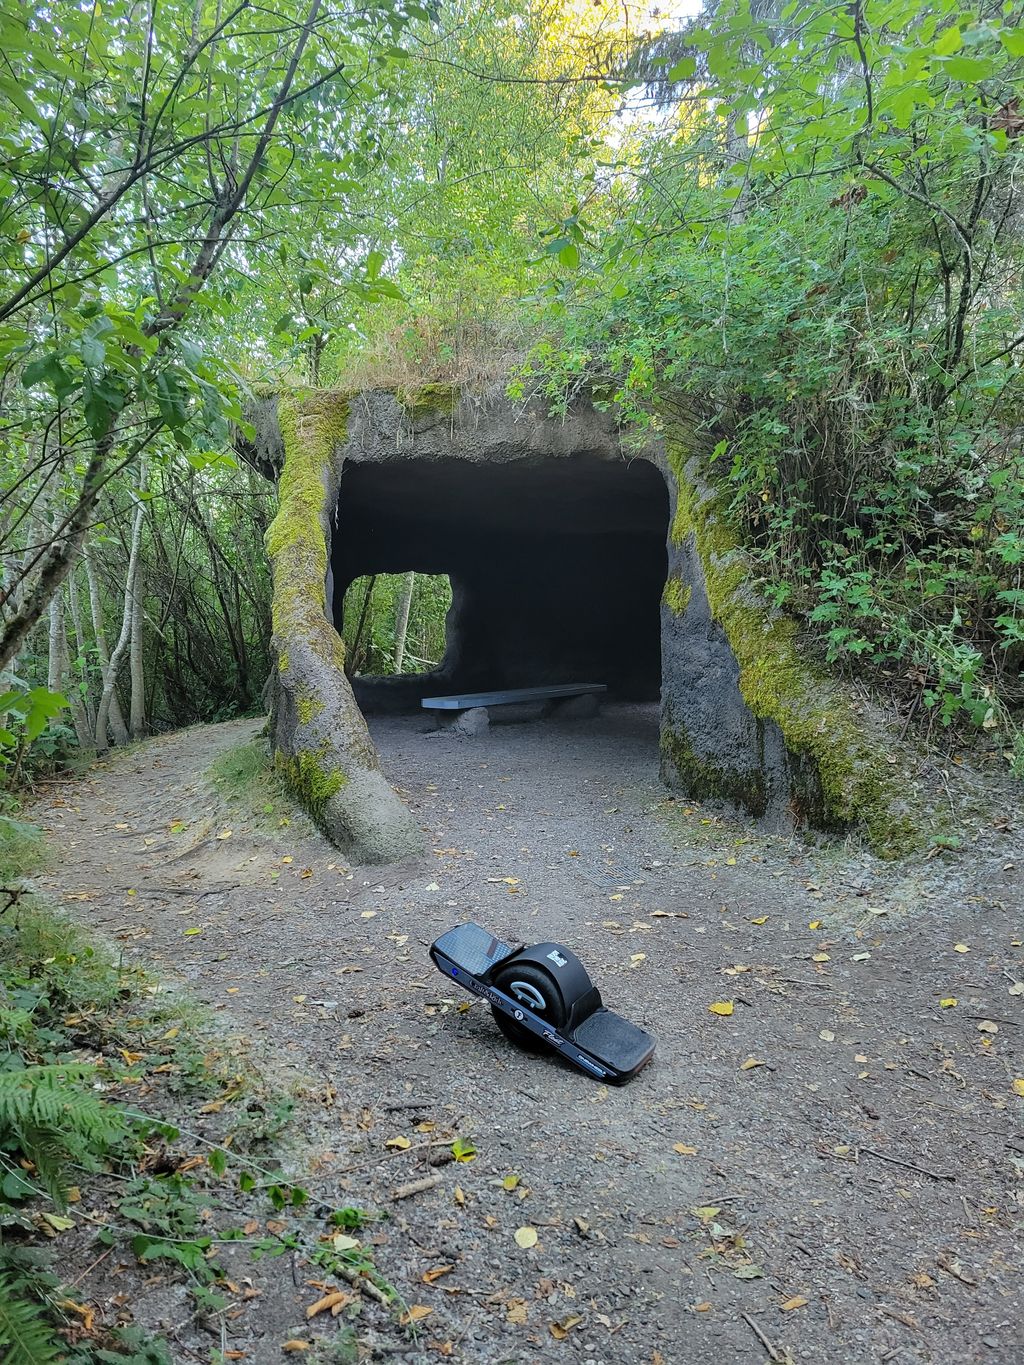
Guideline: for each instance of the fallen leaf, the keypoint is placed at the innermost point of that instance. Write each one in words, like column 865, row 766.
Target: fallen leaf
column 83, row 1310
column 961, row 948
column 814, row 924
column 517, row 1312
column 463, row 1150
column 684, row 1150
column 526, row 1237
column 416, row 1313
column 328, row 1301
column 988, row 1026
column 1018, row 1087
column 706, row 1212
column 560, row 1330
column 948, row 1003
column 459, row 1195
column 637, row 958
column 827, row 1036
column 429, row 1276
column 401, row 1143
column 703, row 1307
column 723, row 1007
column 761, row 919
column 225, row 834
column 820, row 957
column 510, row 1182
column 750, row 1063
column 797, row 1301
column 1016, row 989
column 296, row 1345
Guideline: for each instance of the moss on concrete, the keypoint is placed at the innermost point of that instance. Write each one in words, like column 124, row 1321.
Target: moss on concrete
column 308, row 780
column 428, row 398
column 308, row 708
column 313, row 424
column 676, row 595
column 704, row 780
column 837, row 779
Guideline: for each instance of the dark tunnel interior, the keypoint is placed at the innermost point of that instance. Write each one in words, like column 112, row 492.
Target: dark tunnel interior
column 557, row 568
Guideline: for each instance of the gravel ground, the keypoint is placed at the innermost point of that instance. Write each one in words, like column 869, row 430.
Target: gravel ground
column 829, row 1169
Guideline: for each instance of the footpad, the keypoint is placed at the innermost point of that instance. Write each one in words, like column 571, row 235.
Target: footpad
column 472, row 948
column 611, row 1039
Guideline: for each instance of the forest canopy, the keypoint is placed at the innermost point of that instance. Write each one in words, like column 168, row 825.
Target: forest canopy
column 794, row 229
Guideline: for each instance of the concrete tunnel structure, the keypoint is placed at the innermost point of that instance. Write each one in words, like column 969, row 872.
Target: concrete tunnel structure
column 573, row 557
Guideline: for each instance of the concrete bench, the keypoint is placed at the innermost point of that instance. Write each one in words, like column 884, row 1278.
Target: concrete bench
column 471, row 708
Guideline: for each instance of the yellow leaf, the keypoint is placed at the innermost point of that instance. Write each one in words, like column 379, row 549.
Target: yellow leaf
column 510, row 1182
column 429, row 1276
column 683, row 1150
column 637, row 958
column 948, row 1003
column 402, row 1143
column 797, row 1301
column 1018, row 1087
column 703, row 1307
column 459, row 1195
column 821, row 957
column 416, row 1313
column 517, row 1312
column 814, row 924
column 616, row 897
column 706, row 1212
column 225, row 834
column 730, row 862
column 761, row 919
column 723, row 1007
column 526, row 1237
column 827, row 1036
column 560, row 1330
column 750, row 1063
column 296, row 1345
column 961, row 948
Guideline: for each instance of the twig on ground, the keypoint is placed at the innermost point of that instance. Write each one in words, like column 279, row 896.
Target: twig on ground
column 951, row 1267
column 417, row 1186
column 909, row 1165
column 773, row 1351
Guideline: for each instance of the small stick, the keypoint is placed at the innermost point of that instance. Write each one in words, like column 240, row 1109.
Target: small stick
column 957, row 1274
column 406, row 1104
column 909, row 1165
column 362, row 1282
column 773, row 1353
column 417, row 1186
column 996, row 1019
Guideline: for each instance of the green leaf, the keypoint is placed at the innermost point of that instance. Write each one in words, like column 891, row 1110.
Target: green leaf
column 569, row 256
column 951, row 40
column 968, row 69
column 1013, row 40
column 683, row 70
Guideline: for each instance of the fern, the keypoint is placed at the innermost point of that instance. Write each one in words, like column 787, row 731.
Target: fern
column 25, row 1335
column 51, row 1116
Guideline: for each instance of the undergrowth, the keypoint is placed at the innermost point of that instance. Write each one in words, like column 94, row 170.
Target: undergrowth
column 128, row 1127
column 246, row 781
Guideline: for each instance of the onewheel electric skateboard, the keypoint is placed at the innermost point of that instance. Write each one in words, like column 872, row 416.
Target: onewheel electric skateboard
column 542, row 997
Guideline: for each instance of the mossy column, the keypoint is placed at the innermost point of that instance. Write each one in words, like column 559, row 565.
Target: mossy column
column 746, row 717
column 321, row 743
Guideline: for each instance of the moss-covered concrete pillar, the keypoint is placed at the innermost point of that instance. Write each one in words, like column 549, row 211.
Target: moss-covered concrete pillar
column 747, row 716
column 320, row 740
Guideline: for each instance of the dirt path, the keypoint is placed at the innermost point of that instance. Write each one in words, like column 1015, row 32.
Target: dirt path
column 832, row 1170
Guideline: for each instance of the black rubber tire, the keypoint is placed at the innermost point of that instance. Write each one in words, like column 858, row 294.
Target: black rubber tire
column 554, row 1011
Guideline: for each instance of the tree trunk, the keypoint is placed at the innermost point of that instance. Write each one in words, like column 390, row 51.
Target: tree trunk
column 118, row 729
column 402, row 618
column 63, row 679
column 80, row 656
column 137, row 708
column 117, row 657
